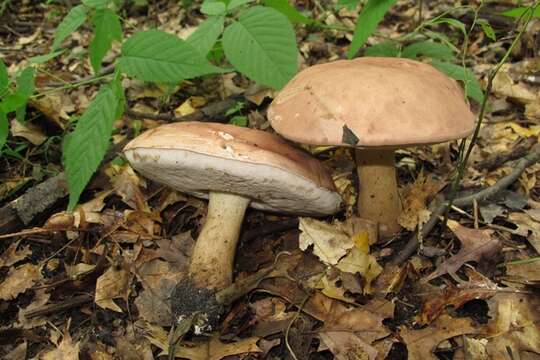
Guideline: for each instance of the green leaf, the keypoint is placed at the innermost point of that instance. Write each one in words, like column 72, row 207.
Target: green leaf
column 348, row 4
column 452, row 22
column 4, row 129
column 213, row 7
column 97, row 4
column 520, row 11
column 40, row 59
column 157, row 56
column 473, row 89
column 86, row 146
column 487, row 29
column 294, row 16
column 206, row 35
column 107, row 28
column 4, row 77
column 428, row 49
column 239, row 120
column 13, row 101
column 370, row 16
column 237, row 3
column 25, row 85
column 75, row 18
column 262, row 45
column 386, row 49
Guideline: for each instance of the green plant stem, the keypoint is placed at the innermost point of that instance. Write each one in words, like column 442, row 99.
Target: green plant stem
column 70, row 86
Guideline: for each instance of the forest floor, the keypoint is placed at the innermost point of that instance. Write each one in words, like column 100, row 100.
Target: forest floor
column 96, row 283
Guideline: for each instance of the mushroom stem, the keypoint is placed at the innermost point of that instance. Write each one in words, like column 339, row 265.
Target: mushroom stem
column 212, row 261
column 378, row 197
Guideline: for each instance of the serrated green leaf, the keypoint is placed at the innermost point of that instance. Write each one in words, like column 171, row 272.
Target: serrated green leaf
column 85, row 147
column 213, row 7
column 487, row 29
column 4, row 129
column 40, row 59
column 13, row 101
column 386, row 49
column 520, row 11
column 428, row 49
column 370, row 16
column 237, row 3
column 97, row 4
column 157, row 56
column 294, row 16
column 25, row 85
column 107, row 28
column 239, row 120
column 75, row 18
column 262, row 45
column 206, row 35
column 4, row 77
column 473, row 89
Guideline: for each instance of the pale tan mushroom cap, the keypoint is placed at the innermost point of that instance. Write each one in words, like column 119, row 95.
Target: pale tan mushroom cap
column 196, row 157
column 385, row 102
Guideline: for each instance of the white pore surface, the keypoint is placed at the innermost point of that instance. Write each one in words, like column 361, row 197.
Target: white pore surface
column 270, row 188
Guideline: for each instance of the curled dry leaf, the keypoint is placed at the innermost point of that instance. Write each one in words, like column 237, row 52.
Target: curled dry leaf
column 18, row 280
column 475, row 245
column 528, row 226
column 28, row 131
column 514, row 326
column 421, row 343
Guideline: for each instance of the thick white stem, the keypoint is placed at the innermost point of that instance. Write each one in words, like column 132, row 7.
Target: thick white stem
column 212, row 261
column 378, row 197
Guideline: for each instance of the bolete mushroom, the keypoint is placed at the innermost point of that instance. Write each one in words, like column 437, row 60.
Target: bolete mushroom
column 234, row 168
column 376, row 105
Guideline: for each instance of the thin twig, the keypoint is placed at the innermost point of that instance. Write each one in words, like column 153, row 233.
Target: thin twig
column 467, row 201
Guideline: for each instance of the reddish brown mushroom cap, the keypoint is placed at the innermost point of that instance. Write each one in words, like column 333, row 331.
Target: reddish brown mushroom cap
column 384, row 102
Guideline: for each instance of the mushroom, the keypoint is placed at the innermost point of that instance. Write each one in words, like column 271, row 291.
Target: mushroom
column 234, row 168
column 375, row 105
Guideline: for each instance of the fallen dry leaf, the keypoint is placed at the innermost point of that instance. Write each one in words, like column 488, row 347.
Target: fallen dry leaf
column 11, row 255
column 40, row 298
column 19, row 353
column 212, row 349
column 28, row 131
column 18, row 280
column 528, row 226
column 515, row 325
column 112, row 284
column 66, row 350
column 414, row 201
column 475, row 245
column 346, row 346
column 478, row 287
column 422, row 343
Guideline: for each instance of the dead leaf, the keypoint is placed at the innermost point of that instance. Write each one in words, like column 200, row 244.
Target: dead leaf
column 475, row 245
column 414, row 201
column 422, row 343
column 66, row 350
column 11, row 255
column 18, row 280
column 28, row 131
column 528, row 222
column 112, row 284
column 515, row 326
column 41, row 298
column 209, row 350
column 19, row 353
column 128, row 185
column 346, row 346
column 56, row 107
